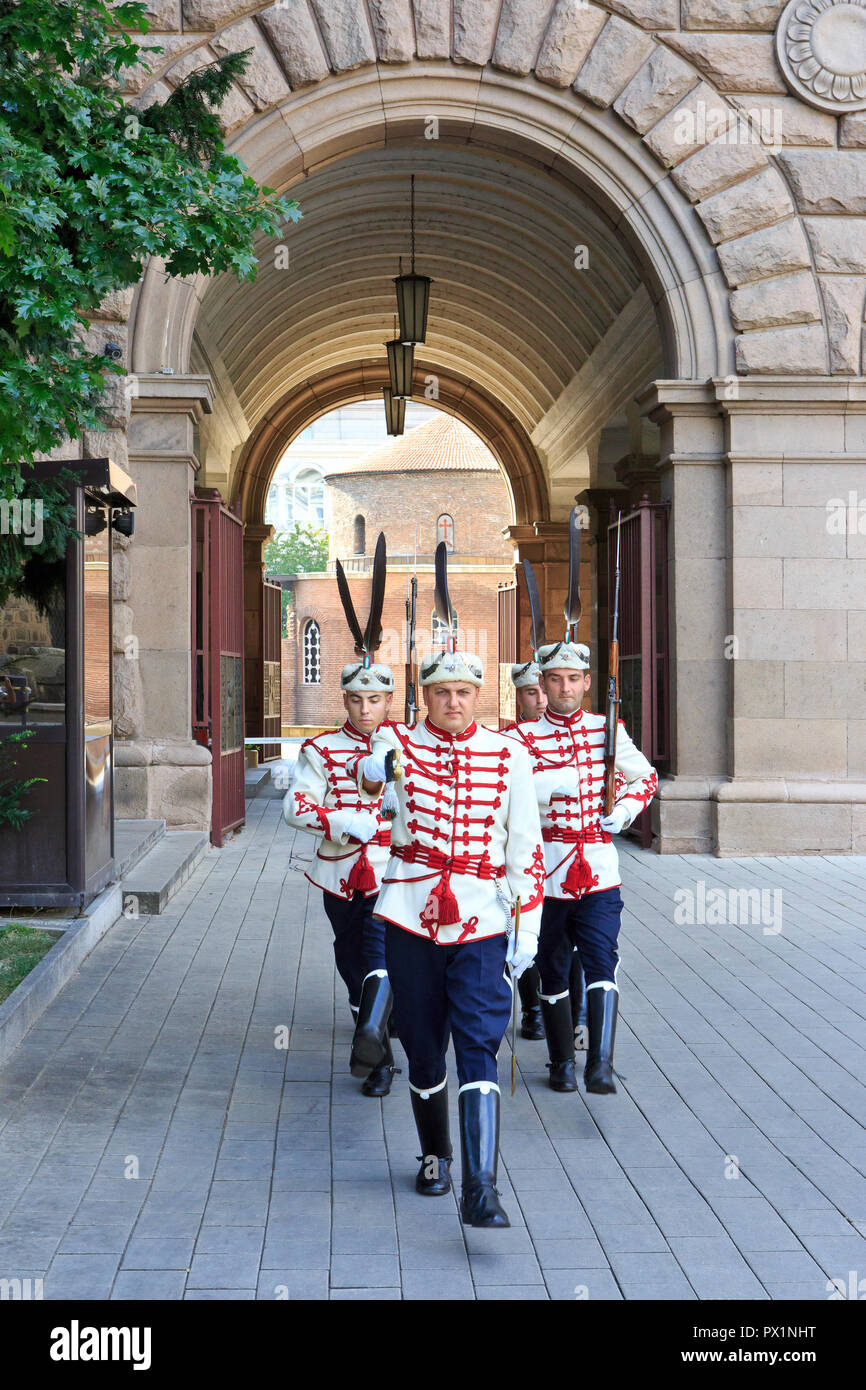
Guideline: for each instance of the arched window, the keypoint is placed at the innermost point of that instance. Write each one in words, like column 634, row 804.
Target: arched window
column 360, row 536
column 440, row 632
column 445, row 530
column 312, row 653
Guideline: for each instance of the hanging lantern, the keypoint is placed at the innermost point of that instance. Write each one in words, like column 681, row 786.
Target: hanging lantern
column 413, row 292
column 413, row 298
column 401, row 361
column 395, row 411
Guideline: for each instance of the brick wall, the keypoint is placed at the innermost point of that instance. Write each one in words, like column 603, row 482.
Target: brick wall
column 478, row 502
column 473, row 595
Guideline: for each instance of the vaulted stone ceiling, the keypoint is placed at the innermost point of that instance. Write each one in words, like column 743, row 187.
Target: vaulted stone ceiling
column 509, row 307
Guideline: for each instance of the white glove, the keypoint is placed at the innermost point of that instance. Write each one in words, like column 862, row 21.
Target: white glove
column 373, row 767
column 362, row 826
column 616, row 821
column 522, row 958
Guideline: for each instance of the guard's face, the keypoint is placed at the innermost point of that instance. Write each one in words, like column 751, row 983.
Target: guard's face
column 531, row 701
column 367, row 709
column 451, row 704
column 565, row 689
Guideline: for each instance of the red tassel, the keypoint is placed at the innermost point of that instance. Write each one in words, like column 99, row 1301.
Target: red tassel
column 361, row 878
column 580, row 876
column 441, row 905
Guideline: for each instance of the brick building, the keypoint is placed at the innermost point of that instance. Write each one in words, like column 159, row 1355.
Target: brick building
column 436, row 482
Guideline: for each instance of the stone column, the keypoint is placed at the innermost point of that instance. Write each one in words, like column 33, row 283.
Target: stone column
column 160, row 771
column 693, row 479
column 796, row 457
column 767, row 476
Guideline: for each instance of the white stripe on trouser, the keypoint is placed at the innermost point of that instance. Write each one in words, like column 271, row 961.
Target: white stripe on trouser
column 603, row 984
column 483, row 1086
column 376, row 975
column 428, row 1090
column 552, row 998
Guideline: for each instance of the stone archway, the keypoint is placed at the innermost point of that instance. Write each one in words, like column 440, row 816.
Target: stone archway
column 731, row 244
column 614, row 93
column 326, row 391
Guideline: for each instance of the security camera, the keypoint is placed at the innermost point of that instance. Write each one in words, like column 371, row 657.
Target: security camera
column 113, row 351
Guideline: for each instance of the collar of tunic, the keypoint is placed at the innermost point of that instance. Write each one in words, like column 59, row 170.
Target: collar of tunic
column 434, row 729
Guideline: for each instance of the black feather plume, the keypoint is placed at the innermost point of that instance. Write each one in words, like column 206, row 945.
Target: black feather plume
column 349, row 610
column 536, row 614
column 373, row 630
column 442, row 603
column 572, row 602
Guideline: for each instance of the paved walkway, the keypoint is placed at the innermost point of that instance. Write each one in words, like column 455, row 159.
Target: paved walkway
column 159, row 1140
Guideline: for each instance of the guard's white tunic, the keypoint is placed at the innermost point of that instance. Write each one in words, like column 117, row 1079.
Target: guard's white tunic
column 467, row 831
column 322, row 799
column 570, row 821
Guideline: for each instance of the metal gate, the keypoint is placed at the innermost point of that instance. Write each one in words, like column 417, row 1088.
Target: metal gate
column 272, row 718
column 508, row 629
column 217, row 651
column 644, row 686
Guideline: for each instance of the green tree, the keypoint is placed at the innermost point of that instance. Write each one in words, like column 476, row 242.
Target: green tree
column 89, row 190
column 302, row 550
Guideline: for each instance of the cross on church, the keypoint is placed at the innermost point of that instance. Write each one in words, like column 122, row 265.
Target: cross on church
column 446, row 529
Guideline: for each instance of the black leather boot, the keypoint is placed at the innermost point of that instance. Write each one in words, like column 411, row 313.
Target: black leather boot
column 601, row 1011
column 578, row 1002
column 479, row 1151
column 531, row 1024
column 434, row 1136
column 378, row 1081
column 560, row 1043
column 371, row 1030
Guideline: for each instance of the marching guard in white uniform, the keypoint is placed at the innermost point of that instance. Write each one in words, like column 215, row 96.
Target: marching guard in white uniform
column 465, row 847
column 354, row 840
column 582, row 901
column 531, row 702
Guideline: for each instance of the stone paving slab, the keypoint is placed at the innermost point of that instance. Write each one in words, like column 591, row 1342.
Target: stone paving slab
column 181, row 1122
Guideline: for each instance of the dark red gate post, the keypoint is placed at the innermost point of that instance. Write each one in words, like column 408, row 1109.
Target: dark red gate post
column 644, row 679
column 217, row 655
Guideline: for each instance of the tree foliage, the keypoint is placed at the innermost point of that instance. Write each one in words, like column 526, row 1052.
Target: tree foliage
column 90, row 188
column 301, row 550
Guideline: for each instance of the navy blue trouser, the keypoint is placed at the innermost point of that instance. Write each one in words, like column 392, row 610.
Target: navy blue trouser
column 359, row 939
column 461, row 991
column 590, row 923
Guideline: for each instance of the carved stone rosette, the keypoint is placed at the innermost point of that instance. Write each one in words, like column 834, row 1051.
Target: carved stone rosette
column 821, row 48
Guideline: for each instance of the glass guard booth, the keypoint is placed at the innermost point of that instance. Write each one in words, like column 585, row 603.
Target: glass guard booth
column 55, row 681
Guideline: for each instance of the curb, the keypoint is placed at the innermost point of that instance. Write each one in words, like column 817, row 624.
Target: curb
column 32, row 997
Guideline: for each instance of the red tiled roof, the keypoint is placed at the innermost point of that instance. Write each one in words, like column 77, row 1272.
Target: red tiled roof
column 442, row 445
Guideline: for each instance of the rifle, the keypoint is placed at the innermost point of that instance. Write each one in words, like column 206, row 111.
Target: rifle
column 411, row 710
column 613, row 700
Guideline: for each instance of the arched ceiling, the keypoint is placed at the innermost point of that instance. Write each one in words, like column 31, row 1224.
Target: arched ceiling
column 509, row 307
